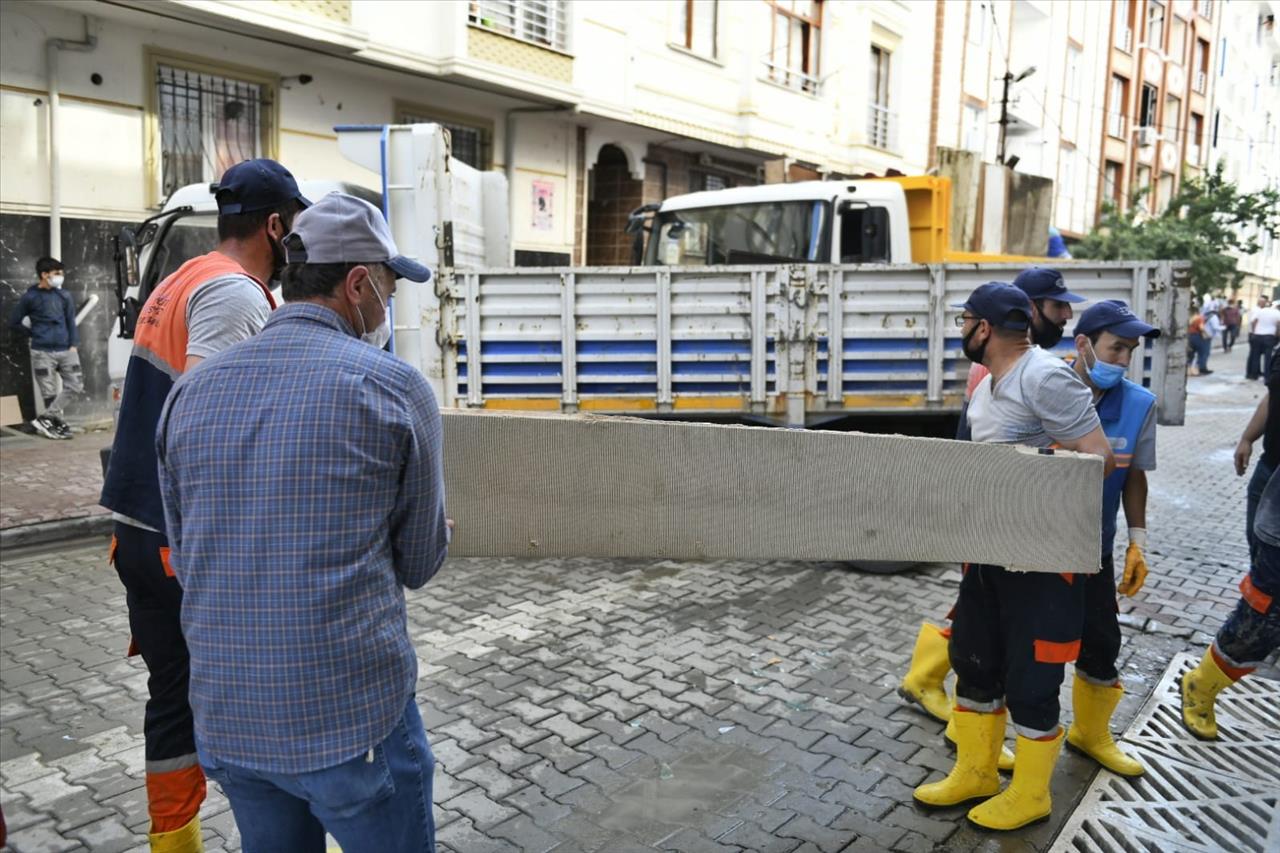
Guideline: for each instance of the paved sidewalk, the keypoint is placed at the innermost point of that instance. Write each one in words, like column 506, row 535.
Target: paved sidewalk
column 579, row 705
column 43, row 481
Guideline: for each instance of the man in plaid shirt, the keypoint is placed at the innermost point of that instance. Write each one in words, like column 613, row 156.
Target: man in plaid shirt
column 303, row 492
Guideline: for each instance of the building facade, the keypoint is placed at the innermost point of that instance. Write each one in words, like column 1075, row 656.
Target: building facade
column 1242, row 134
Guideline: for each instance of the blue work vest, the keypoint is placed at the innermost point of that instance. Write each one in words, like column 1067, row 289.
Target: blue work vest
column 1122, row 410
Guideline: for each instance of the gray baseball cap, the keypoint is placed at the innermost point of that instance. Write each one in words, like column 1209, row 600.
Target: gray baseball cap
column 343, row 229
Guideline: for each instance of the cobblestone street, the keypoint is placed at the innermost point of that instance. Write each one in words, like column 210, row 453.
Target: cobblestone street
column 617, row 706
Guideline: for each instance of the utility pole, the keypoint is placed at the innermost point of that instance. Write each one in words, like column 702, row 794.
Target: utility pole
column 1009, row 79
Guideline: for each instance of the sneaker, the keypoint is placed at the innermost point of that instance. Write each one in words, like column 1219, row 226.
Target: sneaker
column 45, row 427
column 63, row 428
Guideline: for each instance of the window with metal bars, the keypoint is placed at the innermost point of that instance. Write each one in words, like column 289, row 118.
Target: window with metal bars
column 795, row 44
column 208, row 123
column 470, row 143
column 543, row 22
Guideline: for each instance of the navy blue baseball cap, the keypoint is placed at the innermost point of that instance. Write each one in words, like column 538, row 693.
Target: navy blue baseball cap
column 1044, row 283
column 1112, row 315
column 997, row 302
column 256, row 185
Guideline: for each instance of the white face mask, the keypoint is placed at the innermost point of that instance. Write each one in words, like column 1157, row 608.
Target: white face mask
column 56, row 280
column 379, row 336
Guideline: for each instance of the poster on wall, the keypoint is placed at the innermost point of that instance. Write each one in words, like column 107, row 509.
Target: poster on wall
column 544, row 193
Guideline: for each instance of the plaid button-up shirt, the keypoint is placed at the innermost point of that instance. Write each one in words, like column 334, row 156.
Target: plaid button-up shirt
column 303, row 490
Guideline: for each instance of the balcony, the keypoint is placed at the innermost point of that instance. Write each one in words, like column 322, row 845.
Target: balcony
column 791, row 78
column 537, row 22
column 1124, row 40
column 882, row 127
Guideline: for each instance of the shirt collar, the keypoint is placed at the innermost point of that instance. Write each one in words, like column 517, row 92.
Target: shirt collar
column 310, row 312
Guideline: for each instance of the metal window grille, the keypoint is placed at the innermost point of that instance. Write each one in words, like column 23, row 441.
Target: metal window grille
column 543, row 22
column 468, row 143
column 882, row 127
column 208, row 123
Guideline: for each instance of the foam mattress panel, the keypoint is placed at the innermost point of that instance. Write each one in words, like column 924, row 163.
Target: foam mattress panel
column 584, row 486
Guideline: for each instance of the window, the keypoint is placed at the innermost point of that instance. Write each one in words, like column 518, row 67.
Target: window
column 208, row 123
column 470, row 140
column 1066, row 173
column 978, row 22
column 795, row 43
column 1222, row 57
column 1127, row 23
column 1155, row 25
column 541, row 22
column 1195, row 129
column 1118, row 107
column 880, row 129
column 975, row 128
column 1172, row 118
column 1112, row 186
column 1217, row 118
column 1071, row 93
column 1177, row 39
column 864, row 235
column 1144, row 186
column 1164, row 192
column 700, row 181
column 1205, row 8
column 753, row 233
column 1147, row 112
column 698, row 26
column 1200, row 62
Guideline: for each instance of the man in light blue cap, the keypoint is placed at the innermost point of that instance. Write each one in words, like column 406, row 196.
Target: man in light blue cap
column 303, row 492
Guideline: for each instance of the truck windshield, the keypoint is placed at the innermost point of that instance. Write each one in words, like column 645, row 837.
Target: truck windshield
column 177, row 242
column 765, row 232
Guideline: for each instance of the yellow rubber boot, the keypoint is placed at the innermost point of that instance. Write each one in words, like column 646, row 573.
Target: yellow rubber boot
column 185, row 839
column 930, row 663
column 978, row 740
column 1090, row 731
column 1027, row 799
column 1200, row 689
column 1004, row 762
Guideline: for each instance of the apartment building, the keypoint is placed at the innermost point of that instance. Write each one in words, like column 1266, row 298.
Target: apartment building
column 1242, row 133
column 590, row 107
column 1156, row 99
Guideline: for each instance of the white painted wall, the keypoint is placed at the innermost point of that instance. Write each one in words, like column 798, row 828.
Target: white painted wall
column 102, row 127
column 1248, row 109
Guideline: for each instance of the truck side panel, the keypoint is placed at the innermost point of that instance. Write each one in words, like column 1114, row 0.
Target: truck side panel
column 755, row 342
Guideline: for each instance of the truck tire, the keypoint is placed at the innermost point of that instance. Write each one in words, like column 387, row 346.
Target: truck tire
column 880, row 567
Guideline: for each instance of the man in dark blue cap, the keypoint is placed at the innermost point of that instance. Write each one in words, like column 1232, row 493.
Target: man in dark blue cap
column 1014, row 631
column 303, row 484
column 1107, row 337
column 205, row 306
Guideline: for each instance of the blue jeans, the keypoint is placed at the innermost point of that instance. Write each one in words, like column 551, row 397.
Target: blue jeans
column 1253, row 494
column 381, row 805
column 1201, row 347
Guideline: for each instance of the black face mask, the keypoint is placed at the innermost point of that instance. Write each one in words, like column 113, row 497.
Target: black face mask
column 1045, row 334
column 973, row 353
column 277, row 257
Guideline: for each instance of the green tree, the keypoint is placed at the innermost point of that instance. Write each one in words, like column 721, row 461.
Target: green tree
column 1208, row 222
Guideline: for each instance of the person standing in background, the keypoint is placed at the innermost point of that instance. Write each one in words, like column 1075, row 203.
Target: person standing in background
column 47, row 314
column 1263, row 327
column 1231, row 316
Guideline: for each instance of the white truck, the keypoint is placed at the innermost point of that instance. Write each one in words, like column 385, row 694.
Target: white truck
column 794, row 304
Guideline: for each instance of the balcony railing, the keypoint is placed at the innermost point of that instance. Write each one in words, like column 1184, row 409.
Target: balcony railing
column 1200, row 82
column 1125, row 40
column 541, row 22
column 882, row 127
column 792, row 78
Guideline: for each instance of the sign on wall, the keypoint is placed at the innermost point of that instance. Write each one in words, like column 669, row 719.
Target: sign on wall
column 543, row 198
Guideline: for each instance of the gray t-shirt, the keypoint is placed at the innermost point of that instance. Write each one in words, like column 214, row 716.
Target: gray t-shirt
column 1038, row 403
column 1144, row 455
column 224, row 311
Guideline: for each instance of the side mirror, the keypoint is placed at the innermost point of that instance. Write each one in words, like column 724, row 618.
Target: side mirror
column 131, row 265
column 639, row 217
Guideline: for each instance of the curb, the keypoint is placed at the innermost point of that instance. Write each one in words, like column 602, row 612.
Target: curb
column 56, row 531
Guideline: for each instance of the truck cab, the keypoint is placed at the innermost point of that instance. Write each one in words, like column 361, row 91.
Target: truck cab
column 146, row 254
column 823, row 222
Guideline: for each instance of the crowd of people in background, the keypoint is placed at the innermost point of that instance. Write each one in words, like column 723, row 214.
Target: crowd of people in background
column 1224, row 318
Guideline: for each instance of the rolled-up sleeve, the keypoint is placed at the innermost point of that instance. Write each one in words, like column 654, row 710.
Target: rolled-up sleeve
column 419, row 537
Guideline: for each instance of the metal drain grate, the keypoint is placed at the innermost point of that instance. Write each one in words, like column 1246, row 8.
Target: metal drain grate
column 1195, row 795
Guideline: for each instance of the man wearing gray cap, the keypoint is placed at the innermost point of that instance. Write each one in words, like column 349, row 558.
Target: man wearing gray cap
column 303, row 492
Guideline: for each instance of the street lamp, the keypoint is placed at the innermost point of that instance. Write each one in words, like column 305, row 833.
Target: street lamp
column 1009, row 78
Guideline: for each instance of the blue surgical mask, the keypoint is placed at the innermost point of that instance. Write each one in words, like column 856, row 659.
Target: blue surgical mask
column 1103, row 374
